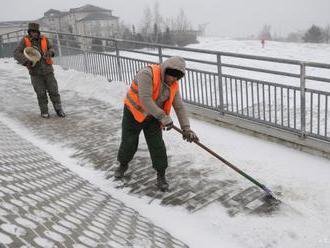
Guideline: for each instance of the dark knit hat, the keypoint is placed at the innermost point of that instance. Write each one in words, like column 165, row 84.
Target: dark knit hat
column 174, row 73
column 33, row 26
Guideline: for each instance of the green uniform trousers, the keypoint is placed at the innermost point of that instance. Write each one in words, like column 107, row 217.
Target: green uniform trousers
column 130, row 139
column 43, row 84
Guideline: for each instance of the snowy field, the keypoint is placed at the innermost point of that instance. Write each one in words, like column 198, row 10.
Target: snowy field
column 301, row 178
column 306, row 52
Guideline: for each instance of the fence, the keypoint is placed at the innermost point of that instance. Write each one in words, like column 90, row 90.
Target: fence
column 287, row 94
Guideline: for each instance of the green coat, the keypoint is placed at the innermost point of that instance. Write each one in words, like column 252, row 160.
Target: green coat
column 41, row 67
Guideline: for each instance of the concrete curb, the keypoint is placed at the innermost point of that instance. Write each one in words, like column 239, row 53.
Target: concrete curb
column 307, row 144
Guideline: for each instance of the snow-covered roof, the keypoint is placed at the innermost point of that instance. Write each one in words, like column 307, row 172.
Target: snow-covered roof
column 54, row 13
column 98, row 16
column 88, row 8
column 50, row 11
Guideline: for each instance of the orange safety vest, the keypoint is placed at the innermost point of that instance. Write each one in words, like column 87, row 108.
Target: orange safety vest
column 132, row 99
column 44, row 48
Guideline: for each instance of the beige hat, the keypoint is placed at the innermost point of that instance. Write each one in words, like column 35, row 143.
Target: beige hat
column 32, row 54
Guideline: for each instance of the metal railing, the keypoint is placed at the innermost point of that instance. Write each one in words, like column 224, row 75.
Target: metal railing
column 287, row 94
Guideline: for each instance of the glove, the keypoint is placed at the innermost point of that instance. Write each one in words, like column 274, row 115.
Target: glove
column 189, row 135
column 28, row 64
column 166, row 123
column 48, row 54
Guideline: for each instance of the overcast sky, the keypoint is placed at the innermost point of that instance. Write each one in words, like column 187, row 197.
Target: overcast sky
column 235, row 18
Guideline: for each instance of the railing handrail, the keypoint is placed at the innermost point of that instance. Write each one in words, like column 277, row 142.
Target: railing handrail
column 204, row 51
column 20, row 30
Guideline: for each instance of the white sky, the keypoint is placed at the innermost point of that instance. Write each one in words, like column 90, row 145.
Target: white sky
column 224, row 17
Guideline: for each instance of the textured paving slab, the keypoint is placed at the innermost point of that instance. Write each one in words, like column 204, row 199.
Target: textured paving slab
column 92, row 128
column 43, row 204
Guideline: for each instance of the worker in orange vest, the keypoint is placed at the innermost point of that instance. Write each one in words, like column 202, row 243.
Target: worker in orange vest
column 154, row 90
column 40, row 68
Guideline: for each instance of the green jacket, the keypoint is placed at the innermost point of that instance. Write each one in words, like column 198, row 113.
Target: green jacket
column 41, row 67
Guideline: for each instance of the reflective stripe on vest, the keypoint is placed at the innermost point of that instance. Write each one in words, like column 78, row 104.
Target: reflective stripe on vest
column 132, row 99
column 44, row 47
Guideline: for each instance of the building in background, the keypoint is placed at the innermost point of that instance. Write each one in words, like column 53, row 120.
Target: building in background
column 101, row 25
column 10, row 26
column 86, row 20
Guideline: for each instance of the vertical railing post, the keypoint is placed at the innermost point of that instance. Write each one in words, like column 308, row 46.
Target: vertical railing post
column 303, row 100
column 17, row 36
column 59, row 47
column 8, row 43
column 84, row 48
column 160, row 54
column 221, row 107
column 1, row 45
column 118, row 62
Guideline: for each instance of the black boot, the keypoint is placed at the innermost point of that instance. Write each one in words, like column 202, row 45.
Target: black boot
column 120, row 171
column 162, row 185
column 60, row 113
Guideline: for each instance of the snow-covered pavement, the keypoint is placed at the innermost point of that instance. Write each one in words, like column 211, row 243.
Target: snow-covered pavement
column 44, row 204
column 301, row 178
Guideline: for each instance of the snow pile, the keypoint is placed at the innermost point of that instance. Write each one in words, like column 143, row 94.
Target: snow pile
column 94, row 86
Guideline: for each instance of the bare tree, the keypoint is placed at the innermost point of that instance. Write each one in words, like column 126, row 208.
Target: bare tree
column 181, row 23
column 295, row 37
column 158, row 19
column 157, row 23
column 168, row 23
column 146, row 26
column 202, row 28
column 133, row 30
column 156, row 29
column 326, row 34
